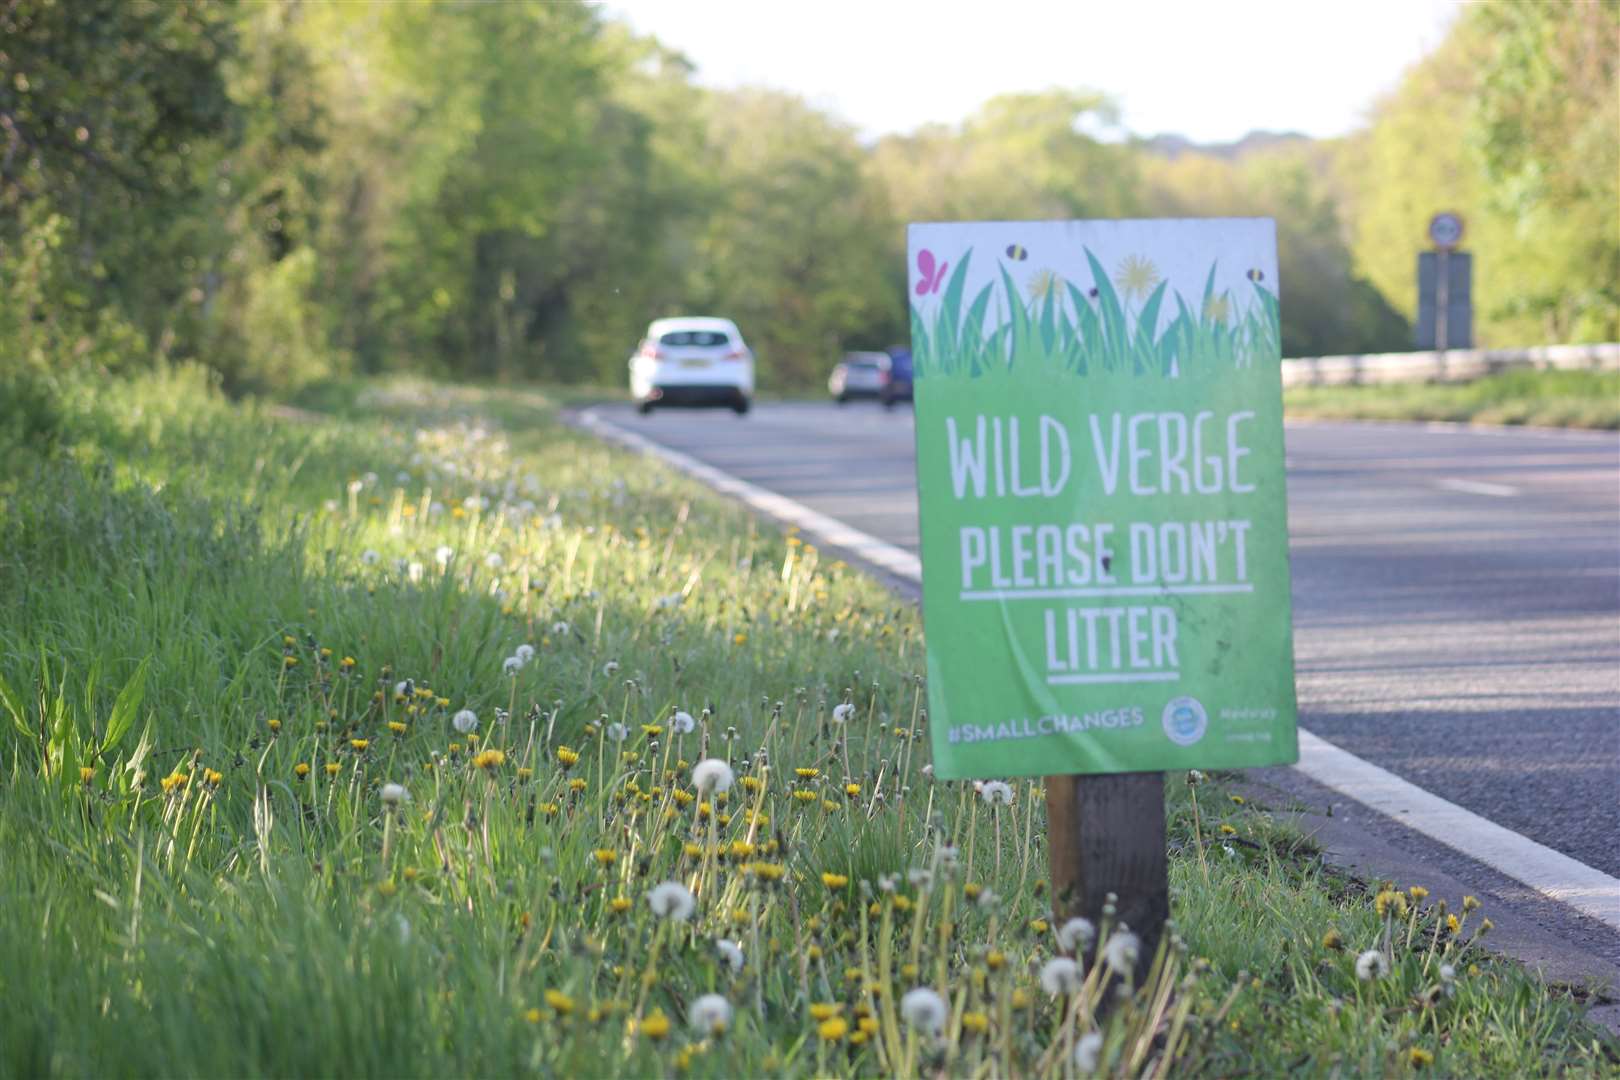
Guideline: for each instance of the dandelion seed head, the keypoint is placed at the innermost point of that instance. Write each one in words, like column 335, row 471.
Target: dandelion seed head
column 1060, row 975
column 465, row 721
column 1121, row 951
column 1076, row 935
column 730, row 952
column 1088, row 1051
column 709, row 1014
column 1371, row 965
column 394, row 794
column 682, row 722
column 617, row 732
column 996, row 792
column 511, row 666
column 671, row 900
column 924, row 1009
column 712, row 775
column 524, row 652
column 842, row 714
column 610, row 668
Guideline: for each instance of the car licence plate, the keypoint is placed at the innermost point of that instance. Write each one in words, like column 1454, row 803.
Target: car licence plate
column 694, row 363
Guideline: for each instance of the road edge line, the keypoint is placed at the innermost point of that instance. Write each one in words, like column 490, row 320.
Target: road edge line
column 1551, row 873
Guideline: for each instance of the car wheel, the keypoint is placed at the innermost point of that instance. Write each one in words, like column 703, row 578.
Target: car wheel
column 741, row 406
column 644, row 408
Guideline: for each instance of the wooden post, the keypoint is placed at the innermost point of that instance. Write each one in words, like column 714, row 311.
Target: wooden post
column 1105, row 834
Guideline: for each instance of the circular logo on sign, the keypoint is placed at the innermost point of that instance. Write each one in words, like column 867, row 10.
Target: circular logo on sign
column 1185, row 721
column 1446, row 230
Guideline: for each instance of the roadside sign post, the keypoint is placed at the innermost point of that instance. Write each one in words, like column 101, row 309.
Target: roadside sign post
column 1445, row 307
column 1103, row 524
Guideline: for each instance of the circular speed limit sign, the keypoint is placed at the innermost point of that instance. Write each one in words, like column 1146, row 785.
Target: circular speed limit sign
column 1446, row 230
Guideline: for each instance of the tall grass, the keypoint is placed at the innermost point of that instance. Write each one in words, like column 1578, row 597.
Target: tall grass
column 224, row 634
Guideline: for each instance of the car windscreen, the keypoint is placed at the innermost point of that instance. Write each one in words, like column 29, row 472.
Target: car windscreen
column 863, row 365
column 706, row 339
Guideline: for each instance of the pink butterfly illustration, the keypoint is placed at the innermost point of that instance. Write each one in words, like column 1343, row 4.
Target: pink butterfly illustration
column 931, row 279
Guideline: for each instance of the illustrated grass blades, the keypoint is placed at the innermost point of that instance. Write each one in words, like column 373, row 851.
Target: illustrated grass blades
column 1063, row 328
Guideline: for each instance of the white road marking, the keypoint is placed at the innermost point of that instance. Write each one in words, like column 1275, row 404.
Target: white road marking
column 1551, row 873
column 1477, row 487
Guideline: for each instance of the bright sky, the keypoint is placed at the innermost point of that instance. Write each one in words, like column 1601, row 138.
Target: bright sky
column 1212, row 70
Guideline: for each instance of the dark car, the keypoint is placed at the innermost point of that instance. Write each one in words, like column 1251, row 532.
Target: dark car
column 898, row 386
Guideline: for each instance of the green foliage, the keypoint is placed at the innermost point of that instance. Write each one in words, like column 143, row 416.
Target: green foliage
column 1511, row 122
column 1577, row 399
column 293, row 192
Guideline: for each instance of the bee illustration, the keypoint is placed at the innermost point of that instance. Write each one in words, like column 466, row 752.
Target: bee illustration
column 1017, row 253
column 1257, row 275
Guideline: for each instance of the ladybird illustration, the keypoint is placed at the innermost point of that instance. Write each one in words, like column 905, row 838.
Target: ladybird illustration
column 1017, row 252
column 1257, row 275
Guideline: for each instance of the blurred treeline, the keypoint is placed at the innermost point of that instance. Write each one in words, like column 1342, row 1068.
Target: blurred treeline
column 291, row 191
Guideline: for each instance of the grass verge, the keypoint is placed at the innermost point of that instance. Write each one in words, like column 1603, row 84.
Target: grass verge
column 365, row 742
column 1576, row 399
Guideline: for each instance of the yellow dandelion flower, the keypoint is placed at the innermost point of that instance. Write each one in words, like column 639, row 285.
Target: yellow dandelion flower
column 359, row 744
column 1227, row 830
column 832, row 1030
column 834, row 881
column 212, row 777
column 174, row 781
column 741, row 849
column 1238, row 800
column 489, row 760
column 1453, row 924
column 908, row 971
column 525, row 773
column 852, row 790
column 398, row 728
column 606, row 856
column 333, row 768
column 86, row 774
column 576, row 785
column 274, row 725
column 347, row 662
column 806, row 796
column 620, row 904
column 1020, row 998
column 566, row 757
column 655, row 1025
column 739, row 638
column 752, row 783
column 1332, row 940
column 976, row 1022
column 532, row 1016
column 559, row 1001
column 1470, row 903
column 813, row 952
column 972, row 890
column 288, row 640
column 830, row 806
column 301, row 769
column 1040, row 926
column 1418, row 892
column 825, row 1010
column 289, row 661
column 1419, row 1058
column 807, row 774
column 995, row 959
column 868, row 1025
column 901, row 903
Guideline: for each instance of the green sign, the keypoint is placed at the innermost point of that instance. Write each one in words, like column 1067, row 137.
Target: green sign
column 1100, row 476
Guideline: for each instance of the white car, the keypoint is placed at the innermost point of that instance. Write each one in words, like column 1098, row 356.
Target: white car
column 692, row 361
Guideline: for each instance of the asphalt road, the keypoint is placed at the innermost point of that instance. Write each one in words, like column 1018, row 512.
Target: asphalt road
column 1456, row 592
